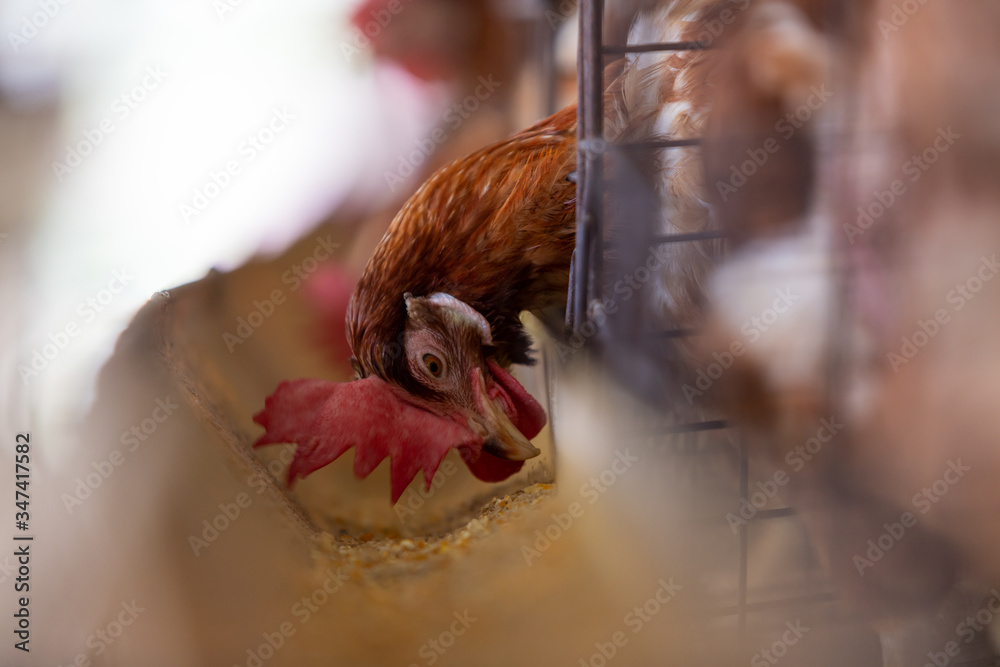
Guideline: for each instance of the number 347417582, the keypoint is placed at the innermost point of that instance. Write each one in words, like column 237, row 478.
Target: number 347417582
column 23, row 476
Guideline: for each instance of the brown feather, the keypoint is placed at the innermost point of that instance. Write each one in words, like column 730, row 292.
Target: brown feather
column 495, row 230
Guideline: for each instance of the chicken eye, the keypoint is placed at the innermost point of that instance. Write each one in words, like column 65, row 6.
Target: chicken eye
column 434, row 365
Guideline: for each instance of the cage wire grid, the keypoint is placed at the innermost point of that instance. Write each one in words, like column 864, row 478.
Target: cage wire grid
column 589, row 271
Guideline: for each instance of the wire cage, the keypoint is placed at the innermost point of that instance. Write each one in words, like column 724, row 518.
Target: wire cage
column 637, row 356
column 647, row 358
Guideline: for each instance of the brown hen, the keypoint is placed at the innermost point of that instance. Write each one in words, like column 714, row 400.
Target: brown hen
column 434, row 322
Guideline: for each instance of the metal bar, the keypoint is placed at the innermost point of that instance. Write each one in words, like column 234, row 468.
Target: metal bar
column 660, row 143
column 676, row 333
column 839, row 163
column 761, row 515
column 590, row 161
column 694, row 427
column 743, row 542
column 619, row 49
column 734, row 610
column 708, row 235
column 663, row 239
column 781, row 512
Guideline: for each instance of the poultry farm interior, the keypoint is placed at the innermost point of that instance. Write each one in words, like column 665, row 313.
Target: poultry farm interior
column 768, row 419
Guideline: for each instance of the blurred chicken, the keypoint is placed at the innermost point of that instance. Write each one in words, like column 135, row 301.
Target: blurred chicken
column 439, row 39
column 435, row 320
column 873, row 205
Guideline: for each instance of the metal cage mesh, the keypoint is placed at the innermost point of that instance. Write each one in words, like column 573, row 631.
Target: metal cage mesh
column 631, row 346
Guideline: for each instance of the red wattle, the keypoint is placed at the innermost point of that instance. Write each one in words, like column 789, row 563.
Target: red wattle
column 525, row 412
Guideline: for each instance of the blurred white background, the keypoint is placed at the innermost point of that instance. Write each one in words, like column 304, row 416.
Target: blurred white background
column 133, row 113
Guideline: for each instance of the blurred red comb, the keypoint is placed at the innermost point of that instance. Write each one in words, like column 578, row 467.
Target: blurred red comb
column 325, row 419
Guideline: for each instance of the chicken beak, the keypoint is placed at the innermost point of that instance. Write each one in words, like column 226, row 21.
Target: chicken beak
column 501, row 437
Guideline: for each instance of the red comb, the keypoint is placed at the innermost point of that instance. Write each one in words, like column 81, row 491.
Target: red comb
column 325, row 419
